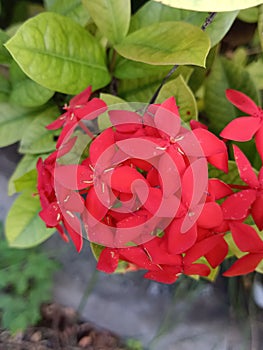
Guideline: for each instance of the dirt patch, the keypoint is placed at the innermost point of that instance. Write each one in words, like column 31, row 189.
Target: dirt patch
column 61, row 329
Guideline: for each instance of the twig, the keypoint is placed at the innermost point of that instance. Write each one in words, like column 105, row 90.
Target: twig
column 207, row 22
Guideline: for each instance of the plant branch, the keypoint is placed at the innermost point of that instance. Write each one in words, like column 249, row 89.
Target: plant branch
column 206, row 23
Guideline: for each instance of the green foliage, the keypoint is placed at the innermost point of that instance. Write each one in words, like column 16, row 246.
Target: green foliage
column 59, row 64
column 183, row 95
column 73, row 9
column 24, row 228
column 111, row 16
column 164, row 43
column 75, row 43
column 225, row 74
column 214, row 5
column 155, row 12
column 25, row 283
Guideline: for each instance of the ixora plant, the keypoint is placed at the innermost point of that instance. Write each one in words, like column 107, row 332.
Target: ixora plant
column 127, row 165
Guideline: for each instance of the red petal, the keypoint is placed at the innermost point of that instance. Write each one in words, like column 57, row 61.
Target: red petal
column 246, row 238
column 123, row 177
column 137, row 256
column 201, row 248
column 162, row 276
column 142, row 148
column 153, row 177
column 217, row 255
column 73, row 176
column 219, row 189
column 72, row 202
column 167, row 118
column 74, row 235
column 130, row 230
column 194, row 183
column 160, row 206
column 220, row 161
column 159, row 255
column 171, row 166
column 211, row 145
column 197, row 269
column 91, row 110
column 95, row 209
column 179, row 242
column 241, row 129
column 257, row 212
column 245, row 169
column 108, row 260
column 211, row 215
column 244, row 265
column 58, row 123
column 66, row 147
column 259, row 141
column 102, row 145
column 81, row 98
column 51, row 215
column 236, row 206
column 125, row 121
column 194, row 124
column 242, row 101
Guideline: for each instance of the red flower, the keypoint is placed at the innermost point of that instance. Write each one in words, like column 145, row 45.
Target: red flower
column 255, row 183
column 244, row 128
column 79, row 108
column 247, row 240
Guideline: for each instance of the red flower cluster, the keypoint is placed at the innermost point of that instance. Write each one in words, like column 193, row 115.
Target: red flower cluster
column 143, row 192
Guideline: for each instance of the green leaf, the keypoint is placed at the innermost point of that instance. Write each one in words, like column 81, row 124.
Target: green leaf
column 113, row 102
column 225, row 74
column 96, row 250
column 127, row 69
column 112, row 17
column 183, row 95
column 140, row 90
column 255, row 69
column 4, row 54
column 14, row 121
column 103, row 119
column 37, row 138
column 24, row 228
column 26, row 164
column 26, row 182
column 4, row 88
column 232, row 177
column 249, row 15
column 66, row 65
column 164, row 43
column 260, row 25
column 25, row 92
column 211, row 5
column 154, row 12
column 73, row 9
